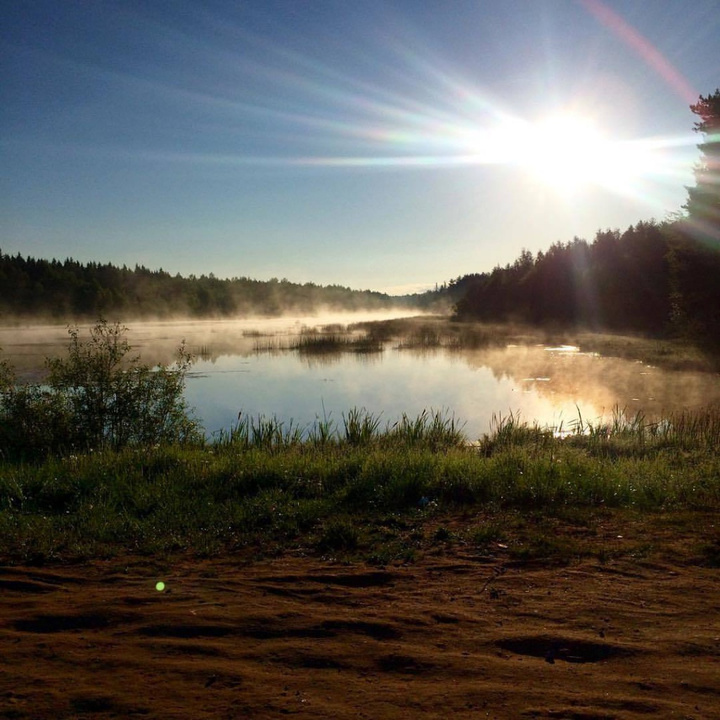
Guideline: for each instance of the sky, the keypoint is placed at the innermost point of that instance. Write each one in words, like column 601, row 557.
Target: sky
column 381, row 144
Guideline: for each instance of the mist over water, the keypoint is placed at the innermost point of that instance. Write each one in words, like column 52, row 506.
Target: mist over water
column 26, row 346
column 244, row 367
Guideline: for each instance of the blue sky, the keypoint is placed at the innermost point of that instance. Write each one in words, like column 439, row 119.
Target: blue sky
column 384, row 145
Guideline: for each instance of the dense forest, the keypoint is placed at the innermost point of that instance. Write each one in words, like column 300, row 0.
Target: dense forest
column 53, row 289
column 652, row 278
column 656, row 278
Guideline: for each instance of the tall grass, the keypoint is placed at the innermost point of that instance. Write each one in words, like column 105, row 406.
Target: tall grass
column 635, row 433
column 360, row 427
column 435, row 429
column 621, row 433
column 269, row 484
column 309, row 342
column 261, row 432
column 326, row 340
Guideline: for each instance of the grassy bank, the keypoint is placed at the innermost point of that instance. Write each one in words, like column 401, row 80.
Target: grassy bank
column 106, row 458
column 361, row 491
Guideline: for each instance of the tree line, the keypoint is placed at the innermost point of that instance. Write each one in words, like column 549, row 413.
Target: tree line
column 54, row 289
column 652, row 278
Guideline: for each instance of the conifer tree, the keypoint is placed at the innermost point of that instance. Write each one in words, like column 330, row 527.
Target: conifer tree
column 703, row 204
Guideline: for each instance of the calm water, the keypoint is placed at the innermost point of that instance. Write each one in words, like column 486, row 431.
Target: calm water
column 547, row 385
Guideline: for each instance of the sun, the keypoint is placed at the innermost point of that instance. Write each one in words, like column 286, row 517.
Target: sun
column 566, row 151
column 569, row 153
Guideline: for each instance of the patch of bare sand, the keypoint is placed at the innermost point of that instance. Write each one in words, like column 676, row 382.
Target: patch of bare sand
column 454, row 635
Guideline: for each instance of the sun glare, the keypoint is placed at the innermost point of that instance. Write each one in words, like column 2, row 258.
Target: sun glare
column 565, row 151
column 569, row 152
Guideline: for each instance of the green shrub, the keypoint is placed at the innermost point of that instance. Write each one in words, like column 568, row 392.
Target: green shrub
column 97, row 396
column 34, row 422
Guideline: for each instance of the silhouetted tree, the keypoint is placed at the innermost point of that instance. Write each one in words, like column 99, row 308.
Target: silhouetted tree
column 70, row 290
column 620, row 281
column 703, row 204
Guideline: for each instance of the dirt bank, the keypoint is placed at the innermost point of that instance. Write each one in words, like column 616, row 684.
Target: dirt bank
column 453, row 635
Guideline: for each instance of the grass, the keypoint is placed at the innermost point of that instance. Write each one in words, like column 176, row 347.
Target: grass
column 434, row 429
column 413, row 333
column 435, row 332
column 312, row 343
column 668, row 353
column 360, row 490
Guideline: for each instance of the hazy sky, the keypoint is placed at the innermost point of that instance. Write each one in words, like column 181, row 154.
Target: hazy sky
column 376, row 144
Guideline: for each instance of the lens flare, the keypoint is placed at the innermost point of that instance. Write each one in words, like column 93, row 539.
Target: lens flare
column 432, row 114
column 642, row 47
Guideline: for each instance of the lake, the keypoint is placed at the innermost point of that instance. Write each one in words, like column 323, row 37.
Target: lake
column 246, row 366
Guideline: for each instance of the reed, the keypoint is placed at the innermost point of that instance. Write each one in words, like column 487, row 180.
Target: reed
column 339, row 487
column 334, row 343
column 260, row 432
column 435, row 428
column 360, row 427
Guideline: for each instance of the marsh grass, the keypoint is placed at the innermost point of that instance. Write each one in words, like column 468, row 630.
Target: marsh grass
column 436, row 429
column 271, row 345
column 668, row 353
column 432, row 334
column 423, row 337
column 511, row 431
column 358, row 488
column 260, row 432
column 360, row 427
column 335, row 342
column 635, row 433
column 414, row 333
column 329, row 339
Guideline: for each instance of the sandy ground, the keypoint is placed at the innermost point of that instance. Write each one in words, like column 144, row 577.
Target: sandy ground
column 452, row 635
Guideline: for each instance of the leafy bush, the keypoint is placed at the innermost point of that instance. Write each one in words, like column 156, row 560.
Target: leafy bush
column 34, row 422
column 97, row 396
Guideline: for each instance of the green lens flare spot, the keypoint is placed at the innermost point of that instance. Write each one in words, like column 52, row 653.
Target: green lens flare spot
column 160, row 586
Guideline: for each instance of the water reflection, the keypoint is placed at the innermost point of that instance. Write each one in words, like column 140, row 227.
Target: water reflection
column 547, row 384
column 550, row 387
column 600, row 382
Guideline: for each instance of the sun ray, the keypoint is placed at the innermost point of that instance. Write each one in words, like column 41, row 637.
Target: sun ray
column 643, row 47
column 432, row 118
